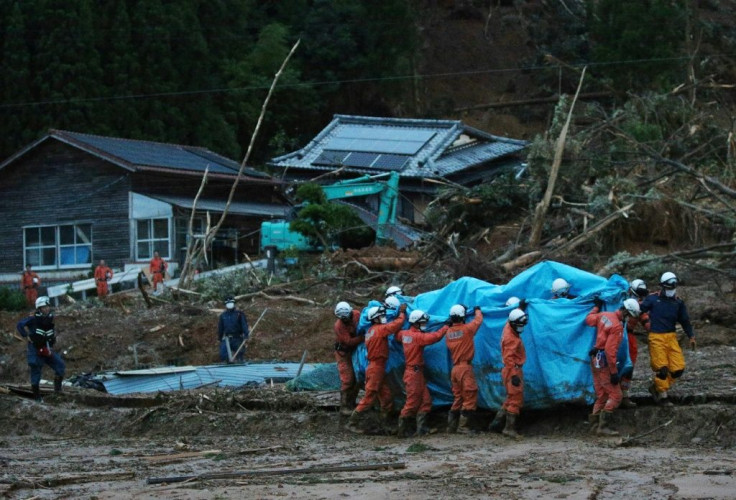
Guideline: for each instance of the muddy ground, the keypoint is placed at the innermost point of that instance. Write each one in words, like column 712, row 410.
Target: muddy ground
column 85, row 444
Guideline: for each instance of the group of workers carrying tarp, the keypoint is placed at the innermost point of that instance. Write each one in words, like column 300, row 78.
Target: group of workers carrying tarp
column 372, row 343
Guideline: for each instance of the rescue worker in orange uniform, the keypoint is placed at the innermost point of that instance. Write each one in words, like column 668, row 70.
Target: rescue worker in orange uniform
column 157, row 267
column 637, row 290
column 29, row 283
column 418, row 401
column 103, row 274
column 513, row 355
column 460, row 342
column 609, row 334
column 376, row 344
column 665, row 309
column 346, row 340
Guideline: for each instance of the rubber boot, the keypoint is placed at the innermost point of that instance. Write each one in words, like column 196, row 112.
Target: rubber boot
column 603, row 422
column 36, row 392
column 510, row 429
column 354, row 421
column 626, row 402
column 388, row 424
column 57, row 383
column 353, row 397
column 498, row 421
column 345, row 409
column 464, row 426
column 664, row 400
column 401, row 431
column 453, row 419
column 594, row 419
column 422, row 429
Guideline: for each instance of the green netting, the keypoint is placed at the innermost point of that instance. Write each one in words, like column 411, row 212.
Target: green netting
column 323, row 377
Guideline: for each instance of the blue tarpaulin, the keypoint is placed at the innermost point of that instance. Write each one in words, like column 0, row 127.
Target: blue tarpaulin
column 557, row 340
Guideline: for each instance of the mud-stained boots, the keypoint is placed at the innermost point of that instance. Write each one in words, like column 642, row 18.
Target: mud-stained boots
column 594, row 420
column 388, row 423
column 402, row 430
column 603, row 425
column 465, row 418
column 510, row 429
column 626, row 402
column 422, row 429
column 36, row 392
column 345, row 409
column 453, row 419
column 353, row 424
column 498, row 421
column 57, row 384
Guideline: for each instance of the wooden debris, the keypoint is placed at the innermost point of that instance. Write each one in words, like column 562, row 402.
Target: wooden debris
column 50, row 482
column 143, row 290
column 638, row 436
column 522, row 260
column 180, row 456
column 156, row 328
column 276, row 472
column 595, row 229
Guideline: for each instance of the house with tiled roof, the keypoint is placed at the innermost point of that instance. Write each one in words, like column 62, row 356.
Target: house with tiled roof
column 71, row 199
column 425, row 153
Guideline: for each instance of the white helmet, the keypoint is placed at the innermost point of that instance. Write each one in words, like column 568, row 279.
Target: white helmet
column 668, row 280
column 394, row 290
column 632, row 307
column 560, row 286
column 391, row 302
column 638, row 287
column 513, row 301
column 418, row 316
column 458, row 312
column 518, row 318
column 42, row 301
column 343, row 310
column 376, row 312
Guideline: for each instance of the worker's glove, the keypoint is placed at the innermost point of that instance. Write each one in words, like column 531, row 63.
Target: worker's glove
column 692, row 343
column 515, row 381
column 614, row 379
column 402, row 308
column 448, row 322
column 598, row 302
column 522, row 304
column 593, row 352
column 476, row 308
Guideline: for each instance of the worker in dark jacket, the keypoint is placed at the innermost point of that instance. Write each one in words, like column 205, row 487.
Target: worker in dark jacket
column 41, row 335
column 232, row 331
column 346, row 340
column 665, row 356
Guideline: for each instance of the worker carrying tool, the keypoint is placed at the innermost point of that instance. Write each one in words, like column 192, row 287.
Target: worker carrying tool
column 637, row 290
column 41, row 334
column 157, row 267
column 232, row 331
column 29, row 284
column 346, row 340
column 103, row 274
column 513, row 355
column 609, row 334
column 460, row 340
column 376, row 345
column 665, row 310
column 418, row 401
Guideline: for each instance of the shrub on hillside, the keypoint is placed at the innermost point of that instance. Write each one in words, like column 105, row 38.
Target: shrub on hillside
column 11, row 300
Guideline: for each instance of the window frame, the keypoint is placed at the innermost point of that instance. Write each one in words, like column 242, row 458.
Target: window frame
column 57, row 246
column 164, row 252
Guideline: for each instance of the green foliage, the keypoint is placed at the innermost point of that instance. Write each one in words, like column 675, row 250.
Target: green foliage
column 645, row 266
column 622, row 30
column 238, row 282
column 12, row 300
column 329, row 224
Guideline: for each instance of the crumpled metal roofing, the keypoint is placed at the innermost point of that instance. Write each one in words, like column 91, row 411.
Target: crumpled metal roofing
column 435, row 158
column 182, row 378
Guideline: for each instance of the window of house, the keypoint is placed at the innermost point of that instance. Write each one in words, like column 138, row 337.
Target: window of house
column 67, row 245
column 152, row 235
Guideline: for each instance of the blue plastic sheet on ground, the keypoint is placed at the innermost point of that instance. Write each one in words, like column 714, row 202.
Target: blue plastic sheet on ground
column 557, row 340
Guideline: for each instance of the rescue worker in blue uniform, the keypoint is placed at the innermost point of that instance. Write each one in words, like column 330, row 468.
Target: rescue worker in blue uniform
column 665, row 356
column 232, row 331
column 41, row 335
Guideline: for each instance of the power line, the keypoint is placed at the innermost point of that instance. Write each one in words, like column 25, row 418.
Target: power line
column 454, row 74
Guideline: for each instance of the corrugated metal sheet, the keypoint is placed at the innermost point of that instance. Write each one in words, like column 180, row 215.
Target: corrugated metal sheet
column 215, row 375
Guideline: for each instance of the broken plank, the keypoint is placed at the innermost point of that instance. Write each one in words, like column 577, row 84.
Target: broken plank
column 275, row 472
column 180, row 456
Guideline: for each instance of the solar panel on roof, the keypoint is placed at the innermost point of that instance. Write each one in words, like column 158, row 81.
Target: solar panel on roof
column 330, row 158
column 360, row 159
column 396, row 140
column 391, row 162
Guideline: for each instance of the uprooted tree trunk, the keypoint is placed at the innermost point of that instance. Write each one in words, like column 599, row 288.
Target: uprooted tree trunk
column 541, row 210
column 196, row 249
